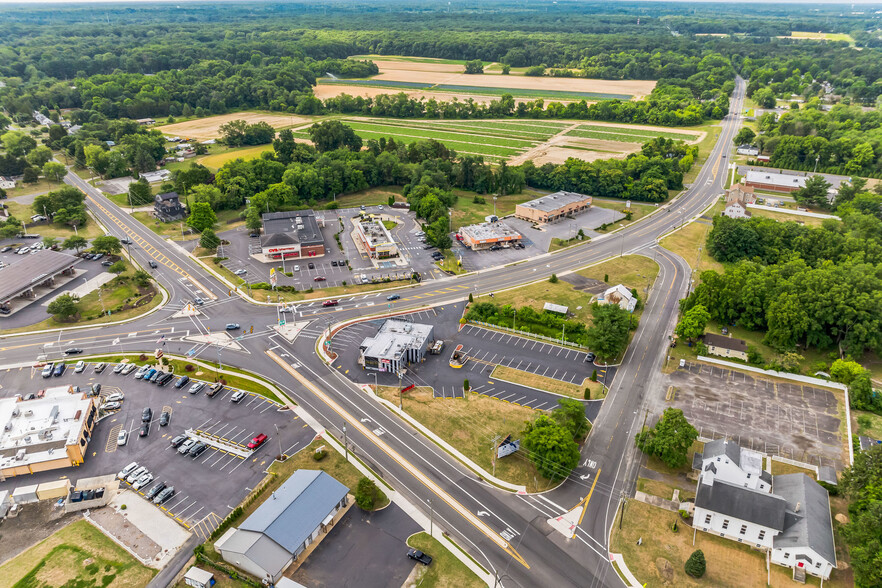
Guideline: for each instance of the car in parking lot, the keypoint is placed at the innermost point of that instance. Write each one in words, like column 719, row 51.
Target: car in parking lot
column 186, row 445
column 296, row 268
column 142, row 371
column 72, row 351
column 214, row 389
column 495, row 247
column 197, row 449
column 136, row 474
column 115, row 397
column 95, row 389
column 419, row 556
column 196, row 387
column 130, row 367
column 237, row 396
column 310, row 265
column 182, row 382
column 177, row 441
column 108, row 406
column 165, row 380
column 333, row 263
column 156, row 489
column 118, row 368
column 164, row 418
column 100, row 367
column 107, row 263
column 319, row 279
column 5, row 249
column 393, row 297
column 144, row 430
column 155, row 377
column 122, row 437
column 589, row 357
column 165, row 495
column 59, row 370
column 143, row 481
column 240, row 272
column 79, row 367
column 150, row 373
column 232, row 326
column 97, row 256
column 330, row 303
column 257, row 441
column 123, row 474
column 147, row 415
column 48, row 369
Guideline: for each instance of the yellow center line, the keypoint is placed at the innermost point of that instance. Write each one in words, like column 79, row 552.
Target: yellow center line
column 416, row 473
column 587, row 498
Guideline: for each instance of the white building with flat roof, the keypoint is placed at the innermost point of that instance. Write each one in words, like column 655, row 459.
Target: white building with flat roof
column 49, row 431
column 486, row 235
column 397, row 344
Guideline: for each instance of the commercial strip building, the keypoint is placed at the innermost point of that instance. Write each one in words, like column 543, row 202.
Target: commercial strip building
column 787, row 516
column 47, row 432
column 301, row 510
column 397, row 344
column 786, row 181
column 41, row 270
column 375, row 237
column 553, row 207
column 486, row 235
column 291, row 235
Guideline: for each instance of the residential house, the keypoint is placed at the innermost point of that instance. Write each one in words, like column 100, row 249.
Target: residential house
column 620, row 295
column 787, row 516
column 6, row 183
column 167, row 207
column 725, row 346
column 285, row 525
column 747, row 150
column 737, row 199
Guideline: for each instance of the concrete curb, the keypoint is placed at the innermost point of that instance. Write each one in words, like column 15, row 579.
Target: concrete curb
column 618, row 560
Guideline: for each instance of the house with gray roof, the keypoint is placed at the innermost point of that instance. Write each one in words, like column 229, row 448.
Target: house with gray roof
column 787, row 515
column 290, row 520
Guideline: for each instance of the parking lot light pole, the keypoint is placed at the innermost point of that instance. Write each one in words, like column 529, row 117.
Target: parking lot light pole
column 376, row 384
column 279, row 437
column 431, row 516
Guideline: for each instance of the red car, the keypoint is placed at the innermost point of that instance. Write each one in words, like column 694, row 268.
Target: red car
column 257, row 441
column 319, row 279
column 330, row 303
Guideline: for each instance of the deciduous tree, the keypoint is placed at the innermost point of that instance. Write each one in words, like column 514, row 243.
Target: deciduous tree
column 552, row 448
column 670, row 438
column 201, row 216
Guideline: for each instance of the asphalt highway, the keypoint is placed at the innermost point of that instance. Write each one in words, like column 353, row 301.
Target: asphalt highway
column 506, row 533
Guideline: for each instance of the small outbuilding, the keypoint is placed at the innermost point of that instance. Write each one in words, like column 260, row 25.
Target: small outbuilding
column 199, row 578
column 725, row 346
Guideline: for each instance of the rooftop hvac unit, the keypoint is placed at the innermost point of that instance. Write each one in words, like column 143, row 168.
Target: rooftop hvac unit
column 27, row 439
column 29, row 413
column 20, row 455
column 53, row 414
column 16, row 411
column 7, row 427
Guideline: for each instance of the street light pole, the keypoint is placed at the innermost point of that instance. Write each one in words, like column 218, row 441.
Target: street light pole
column 345, row 443
column 431, row 516
column 376, row 384
column 279, row 437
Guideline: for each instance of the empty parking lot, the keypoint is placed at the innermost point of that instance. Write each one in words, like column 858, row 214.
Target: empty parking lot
column 778, row 418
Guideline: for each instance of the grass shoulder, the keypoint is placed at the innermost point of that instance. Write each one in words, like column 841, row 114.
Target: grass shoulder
column 446, row 571
column 547, row 384
column 467, row 424
column 76, row 555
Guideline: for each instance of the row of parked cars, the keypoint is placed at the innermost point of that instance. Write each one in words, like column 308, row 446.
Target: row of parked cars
column 139, row 477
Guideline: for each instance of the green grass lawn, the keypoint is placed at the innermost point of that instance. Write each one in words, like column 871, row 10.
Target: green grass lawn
column 217, row 160
column 370, row 197
column 23, row 212
column 625, row 134
column 43, row 185
column 536, row 295
column 633, row 271
column 467, row 212
column 868, row 424
column 446, row 570
column 77, row 555
column 638, row 211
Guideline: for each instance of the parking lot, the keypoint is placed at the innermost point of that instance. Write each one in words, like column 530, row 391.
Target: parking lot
column 208, row 487
column 36, row 310
column 790, row 420
column 486, row 349
column 373, row 545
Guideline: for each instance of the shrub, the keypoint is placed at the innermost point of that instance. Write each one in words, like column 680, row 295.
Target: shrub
column 189, row 367
column 696, row 564
column 320, row 455
column 594, row 376
column 606, row 277
column 123, row 507
column 683, row 514
column 366, row 494
column 674, row 527
column 587, row 393
column 465, row 385
column 142, row 357
column 391, row 200
column 700, row 348
column 553, row 279
column 471, row 298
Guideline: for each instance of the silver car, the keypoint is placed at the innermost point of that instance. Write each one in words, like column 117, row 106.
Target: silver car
column 142, row 481
column 136, row 474
column 186, row 445
column 130, row 367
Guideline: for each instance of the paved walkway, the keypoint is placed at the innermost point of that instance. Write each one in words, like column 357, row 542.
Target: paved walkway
column 89, row 286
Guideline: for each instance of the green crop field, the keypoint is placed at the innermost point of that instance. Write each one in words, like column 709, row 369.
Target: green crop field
column 624, row 134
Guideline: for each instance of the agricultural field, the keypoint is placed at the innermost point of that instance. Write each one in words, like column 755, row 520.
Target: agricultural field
column 208, row 128
column 629, row 134
column 821, row 36
column 217, row 160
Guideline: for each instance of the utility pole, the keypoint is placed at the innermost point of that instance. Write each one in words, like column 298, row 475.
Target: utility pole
column 279, row 437
column 493, row 455
column 431, row 516
column 400, row 401
column 622, row 511
column 345, row 443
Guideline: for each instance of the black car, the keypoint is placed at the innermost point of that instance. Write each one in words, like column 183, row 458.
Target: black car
column 155, row 377
column 125, row 241
column 147, row 415
column 165, row 379
column 96, row 389
column 182, row 382
column 165, row 495
column 176, row 442
column 159, row 487
column 164, row 418
column 495, row 247
column 73, row 351
column 144, row 430
column 5, row 249
column 59, row 370
column 197, row 449
column 393, row 297
column 254, row 235
column 419, row 556
column 107, row 263
column 152, row 264
column 310, row 265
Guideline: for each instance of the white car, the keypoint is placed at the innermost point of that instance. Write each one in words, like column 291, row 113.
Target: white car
column 141, row 371
column 296, row 268
column 136, row 474
column 240, row 272
column 142, row 481
column 81, row 365
column 130, row 367
column 186, row 445
column 122, row 438
column 47, row 370
column 127, row 470
column 115, row 397
column 111, row 406
column 237, row 396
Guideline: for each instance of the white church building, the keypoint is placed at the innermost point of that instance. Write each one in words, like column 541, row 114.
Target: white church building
column 786, row 515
